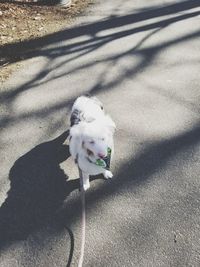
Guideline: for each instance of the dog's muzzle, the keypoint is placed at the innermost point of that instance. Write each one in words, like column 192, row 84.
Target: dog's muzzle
column 105, row 162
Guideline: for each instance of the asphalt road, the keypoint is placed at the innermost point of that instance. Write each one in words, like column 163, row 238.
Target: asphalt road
column 142, row 59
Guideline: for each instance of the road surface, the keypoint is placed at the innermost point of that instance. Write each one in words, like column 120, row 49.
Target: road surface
column 142, row 59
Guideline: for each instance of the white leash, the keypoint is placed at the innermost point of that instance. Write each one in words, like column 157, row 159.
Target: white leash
column 83, row 224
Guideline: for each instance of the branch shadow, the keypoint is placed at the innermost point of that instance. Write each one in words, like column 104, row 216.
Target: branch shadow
column 138, row 170
column 94, row 42
column 111, row 22
column 38, row 187
column 33, row 47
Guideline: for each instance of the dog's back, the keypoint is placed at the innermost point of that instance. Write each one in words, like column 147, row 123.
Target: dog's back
column 86, row 109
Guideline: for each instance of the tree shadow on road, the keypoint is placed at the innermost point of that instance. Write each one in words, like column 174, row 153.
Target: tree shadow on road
column 92, row 29
column 38, row 185
column 86, row 47
column 138, row 170
column 67, row 53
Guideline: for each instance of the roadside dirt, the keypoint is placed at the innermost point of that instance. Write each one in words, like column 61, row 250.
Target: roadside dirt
column 24, row 20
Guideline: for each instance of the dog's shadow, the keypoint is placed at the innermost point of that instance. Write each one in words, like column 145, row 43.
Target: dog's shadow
column 38, row 187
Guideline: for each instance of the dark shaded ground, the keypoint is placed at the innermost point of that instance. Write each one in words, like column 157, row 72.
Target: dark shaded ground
column 38, row 188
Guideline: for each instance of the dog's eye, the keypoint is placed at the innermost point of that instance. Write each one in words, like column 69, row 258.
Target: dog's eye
column 92, row 142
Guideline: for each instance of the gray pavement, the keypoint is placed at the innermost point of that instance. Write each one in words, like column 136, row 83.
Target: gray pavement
column 142, row 59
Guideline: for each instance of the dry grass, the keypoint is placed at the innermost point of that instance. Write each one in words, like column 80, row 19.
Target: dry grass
column 25, row 20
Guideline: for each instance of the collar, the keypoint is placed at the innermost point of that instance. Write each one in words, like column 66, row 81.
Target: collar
column 99, row 162
column 88, row 159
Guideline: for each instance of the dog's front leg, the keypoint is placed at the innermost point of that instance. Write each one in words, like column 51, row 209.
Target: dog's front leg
column 86, row 180
column 107, row 174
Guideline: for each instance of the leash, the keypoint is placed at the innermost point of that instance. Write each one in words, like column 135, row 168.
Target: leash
column 83, row 223
column 100, row 162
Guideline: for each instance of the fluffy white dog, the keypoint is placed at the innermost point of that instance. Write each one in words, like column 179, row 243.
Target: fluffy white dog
column 91, row 138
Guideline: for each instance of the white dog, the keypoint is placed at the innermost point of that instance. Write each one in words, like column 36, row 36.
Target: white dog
column 91, row 138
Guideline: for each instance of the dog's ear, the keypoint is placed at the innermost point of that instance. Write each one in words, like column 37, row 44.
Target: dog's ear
column 98, row 102
column 110, row 124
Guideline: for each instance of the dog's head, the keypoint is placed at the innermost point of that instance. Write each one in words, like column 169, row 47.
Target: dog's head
column 95, row 137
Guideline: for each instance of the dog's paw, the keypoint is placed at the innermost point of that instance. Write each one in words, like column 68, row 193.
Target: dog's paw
column 86, row 186
column 108, row 174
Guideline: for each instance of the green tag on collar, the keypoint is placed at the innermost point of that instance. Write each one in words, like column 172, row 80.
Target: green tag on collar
column 105, row 163
column 101, row 163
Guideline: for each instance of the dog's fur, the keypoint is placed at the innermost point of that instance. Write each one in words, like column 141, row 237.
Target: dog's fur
column 91, row 133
